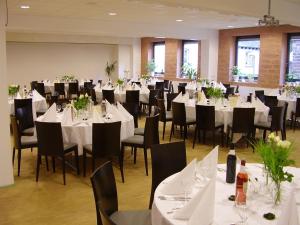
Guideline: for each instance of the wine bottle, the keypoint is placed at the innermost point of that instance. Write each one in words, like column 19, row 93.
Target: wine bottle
column 231, row 165
column 241, row 184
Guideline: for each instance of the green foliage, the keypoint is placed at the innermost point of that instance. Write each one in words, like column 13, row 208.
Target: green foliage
column 120, row 82
column 150, row 67
column 297, row 89
column 13, row 89
column 290, row 77
column 68, row 78
column 110, row 68
column 81, row 102
column 145, row 76
column 214, row 92
column 235, row 71
column 206, row 81
column 189, row 71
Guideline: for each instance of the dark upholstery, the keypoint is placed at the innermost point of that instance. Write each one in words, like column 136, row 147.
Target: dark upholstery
column 108, row 95
column 295, row 114
column 23, row 113
column 164, row 116
column 59, row 88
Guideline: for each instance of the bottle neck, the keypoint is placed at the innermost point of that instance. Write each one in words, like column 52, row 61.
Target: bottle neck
column 231, row 152
column 242, row 169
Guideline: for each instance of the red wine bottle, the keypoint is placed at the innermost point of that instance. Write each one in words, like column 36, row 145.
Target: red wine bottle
column 241, row 184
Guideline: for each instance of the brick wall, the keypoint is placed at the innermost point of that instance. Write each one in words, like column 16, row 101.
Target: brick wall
column 173, row 56
column 273, row 53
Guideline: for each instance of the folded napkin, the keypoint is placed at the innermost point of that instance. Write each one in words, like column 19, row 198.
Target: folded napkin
column 222, row 86
column 97, row 87
column 50, row 114
column 36, row 96
column 259, row 105
column 178, row 98
column 18, row 96
column 67, row 117
column 117, row 115
column 144, row 89
column 204, row 200
column 202, row 98
column 177, row 184
column 107, row 87
column 124, row 112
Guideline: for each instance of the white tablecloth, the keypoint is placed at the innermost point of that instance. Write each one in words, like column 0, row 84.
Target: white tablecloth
column 259, row 202
column 291, row 104
column 225, row 114
column 120, row 96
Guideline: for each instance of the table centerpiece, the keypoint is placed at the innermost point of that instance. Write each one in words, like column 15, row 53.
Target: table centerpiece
column 13, row 89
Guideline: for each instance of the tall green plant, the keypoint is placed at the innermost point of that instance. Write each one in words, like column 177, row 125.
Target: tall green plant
column 150, row 67
column 214, row 92
column 189, row 71
column 110, row 68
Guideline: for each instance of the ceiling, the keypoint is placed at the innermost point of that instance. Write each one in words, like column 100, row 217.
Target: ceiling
column 146, row 16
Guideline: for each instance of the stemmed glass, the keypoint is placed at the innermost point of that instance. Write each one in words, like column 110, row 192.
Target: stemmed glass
column 58, row 108
column 241, row 207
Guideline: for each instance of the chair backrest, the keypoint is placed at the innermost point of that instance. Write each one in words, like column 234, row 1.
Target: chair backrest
column 137, row 83
column 93, row 96
column 105, row 219
column 277, row 118
column 297, row 107
column 106, row 139
column 226, row 85
column 23, row 113
column 205, row 117
column 151, row 87
column 166, row 84
column 271, row 101
column 260, row 94
column 16, row 132
column 33, row 84
column 100, row 82
column 167, row 159
column 50, row 140
column 229, row 91
column 181, row 89
column 133, row 96
column 73, row 88
column 170, row 98
column 162, row 109
column 151, row 136
column 108, row 95
column 105, row 190
column 88, row 85
column 243, row 120
column 178, row 111
column 160, row 85
column 204, row 89
column 182, row 84
column 40, row 88
column 153, row 95
column 59, row 88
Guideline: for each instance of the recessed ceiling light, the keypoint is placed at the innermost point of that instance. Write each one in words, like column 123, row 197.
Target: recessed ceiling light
column 112, row 14
column 179, row 20
column 24, row 6
column 230, row 26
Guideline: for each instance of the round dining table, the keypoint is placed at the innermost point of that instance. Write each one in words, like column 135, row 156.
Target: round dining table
column 259, row 201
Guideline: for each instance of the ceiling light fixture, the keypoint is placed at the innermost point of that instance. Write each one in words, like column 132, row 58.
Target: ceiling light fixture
column 161, row 37
column 24, row 6
column 230, row 26
column 112, row 14
column 268, row 20
column 179, row 20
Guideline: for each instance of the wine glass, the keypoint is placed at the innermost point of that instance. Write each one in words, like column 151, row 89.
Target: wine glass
column 58, row 108
column 241, row 206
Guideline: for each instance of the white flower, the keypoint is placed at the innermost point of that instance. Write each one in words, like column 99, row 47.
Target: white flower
column 284, row 144
column 81, row 97
column 271, row 136
column 86, row 95
column 277, row 139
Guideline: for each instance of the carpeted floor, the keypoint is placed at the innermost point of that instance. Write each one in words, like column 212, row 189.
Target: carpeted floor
column 49, row 202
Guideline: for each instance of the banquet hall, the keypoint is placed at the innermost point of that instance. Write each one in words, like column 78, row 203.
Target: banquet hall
column 159, row 112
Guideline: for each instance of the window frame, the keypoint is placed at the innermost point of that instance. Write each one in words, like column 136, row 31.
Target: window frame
column 153, row 51
column 289, row 37
column 244, row 37
column 182, row 55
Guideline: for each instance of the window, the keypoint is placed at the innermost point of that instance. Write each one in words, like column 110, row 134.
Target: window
column 159, row 57
column 247, row 58
column 189, row 56
column 293, row 59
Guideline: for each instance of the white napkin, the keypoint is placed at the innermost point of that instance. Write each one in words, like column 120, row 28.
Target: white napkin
column 97, row 87
column 176, row 185
column 107, row 87
column 97, row 117
column 222, row 86
column 185, row 98
column 115, row 112
column 18, row 96
column 67, row 118
column 204, row 200
column 50, row 114
column 144, row 89
column 178, row 98
column 124, row 112
column 203, row 98
column 36, row 96
column 117, row 90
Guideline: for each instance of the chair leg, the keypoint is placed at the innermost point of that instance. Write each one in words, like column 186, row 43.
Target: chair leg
column 47, row 163
column 195, row 135
column 172, row 131
column 53, row 164
column 164, row 128
column 38, row 168
column 185, row 132
column 14, row 153
column 146, row 160
column 77, row 161
column 19, row 161
column 84, row 162
column 214, row 137
column 64, row 169
column 121, row 160
column 264, row 135
column 204, row 136
column 93, row 164
column 222, row 136
column 134, row 155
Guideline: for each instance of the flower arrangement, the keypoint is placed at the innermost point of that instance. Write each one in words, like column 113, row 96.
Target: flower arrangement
column 110, row 68
column 275, row 155
column 215, row 93
column 13, row 89
column 68, row 78
column 189, row 71
column 120, row 82
column 81, row 102
column 235, row 71
column 145, row 76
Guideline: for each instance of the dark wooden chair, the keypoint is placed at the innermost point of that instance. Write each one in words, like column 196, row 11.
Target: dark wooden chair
column 106, row 200
column 50, row 143
column 24, row 114
column 170, row 98
column 271, row 101
column 151, row 87
column 33, row 84
column 295, row 114
column 20, row 142
column 180, row 119
column 205, row 121
column 153, row 95
column 73, row 90
column 150, row 138
column 132, row 104
column 59, row 89
column 160, row 85
column 260, row 94
column 106, row 143
column 93, row 96
column 164, row 116
column 87, row 87
column 167, row 159
column 276, row 124
column 181, row 89
column 108, row 95
column 242, row 122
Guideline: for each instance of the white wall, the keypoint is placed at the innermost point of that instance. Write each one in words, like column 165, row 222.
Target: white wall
column 36, row 61
column 6, row 170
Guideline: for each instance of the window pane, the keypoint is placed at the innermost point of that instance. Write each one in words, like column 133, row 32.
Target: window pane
column 248, row 50
column 294, row 58
column 159, row 58
column 190, row 54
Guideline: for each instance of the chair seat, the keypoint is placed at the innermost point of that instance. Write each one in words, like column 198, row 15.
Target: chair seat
column 89, row 147
column 142, row 217
column 261, row 125
column 28, row 140
column 190, row 121
column 169, row 115
column 69, row 146
column 218, row 124
column 28, row 131
column 139, row 131
column 136, row 139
